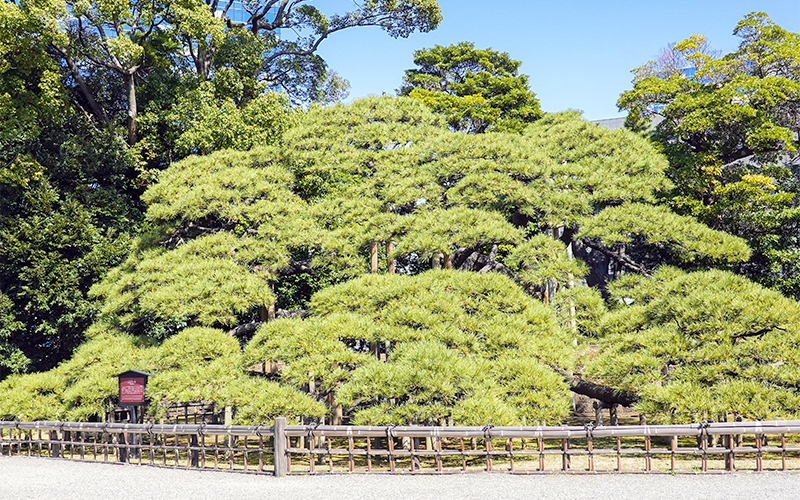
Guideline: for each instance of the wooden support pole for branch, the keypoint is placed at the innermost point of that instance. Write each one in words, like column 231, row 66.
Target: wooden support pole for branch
column 448, row 263
column 268, row 312
column 573, row 322
column 389, row 262
column 374, row 257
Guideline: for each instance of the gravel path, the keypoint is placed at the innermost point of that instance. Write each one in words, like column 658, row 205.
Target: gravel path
column 24, row 478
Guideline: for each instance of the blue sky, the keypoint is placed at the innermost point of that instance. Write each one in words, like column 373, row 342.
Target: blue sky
column 577, row 53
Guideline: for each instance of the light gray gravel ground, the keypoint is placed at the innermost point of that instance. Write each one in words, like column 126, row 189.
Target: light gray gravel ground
column 23, row 478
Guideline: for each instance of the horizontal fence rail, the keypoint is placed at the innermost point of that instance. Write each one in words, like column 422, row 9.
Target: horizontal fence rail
column 226, row 447
column 312, row 449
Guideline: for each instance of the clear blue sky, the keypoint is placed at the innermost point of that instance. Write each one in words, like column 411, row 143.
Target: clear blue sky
column 577, row 53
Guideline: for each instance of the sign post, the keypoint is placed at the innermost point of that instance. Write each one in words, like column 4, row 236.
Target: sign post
column 132, row 384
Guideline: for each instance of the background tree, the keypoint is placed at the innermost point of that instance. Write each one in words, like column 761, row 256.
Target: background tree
column 291, row 62
column 67, row 206
column 729, row 128
column 476, row 90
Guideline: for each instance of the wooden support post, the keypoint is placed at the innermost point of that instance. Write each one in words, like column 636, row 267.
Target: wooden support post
column 389, row 261
column 374, row 257
column 489, row 465
column 463, row 457
column 439, row 454
column 783, row 451
column 673, row 444
column 268, row 312
column 390, row 451
column 704, row 448
column 730, row 461
column 228, row 420
column 330, row 455
column 350, row 459
column 122, row 447
column 311, row 459
column 565, row 454
column 413, row 446
column 448, row 263
column 541, row 454
column 573, row 321
column 281, row 465
column 55, row 445
column 598, row 412
column 759, row 463
column 369, row 454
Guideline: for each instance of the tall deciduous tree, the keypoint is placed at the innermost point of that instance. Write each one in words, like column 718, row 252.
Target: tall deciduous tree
column 291, row 31
column 729, row 126
column 476, row 90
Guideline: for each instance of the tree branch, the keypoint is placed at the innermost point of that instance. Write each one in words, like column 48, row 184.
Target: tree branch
column 603, row 393
column 619, row 257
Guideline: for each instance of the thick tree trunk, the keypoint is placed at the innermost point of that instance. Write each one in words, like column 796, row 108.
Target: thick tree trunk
column 130, row 88
column 202, row 62
column 94, row 107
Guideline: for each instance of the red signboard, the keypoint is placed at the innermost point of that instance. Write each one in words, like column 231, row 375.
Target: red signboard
column 131, row 390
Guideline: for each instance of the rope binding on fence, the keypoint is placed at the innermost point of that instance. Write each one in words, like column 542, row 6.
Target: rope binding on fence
column 310, row 428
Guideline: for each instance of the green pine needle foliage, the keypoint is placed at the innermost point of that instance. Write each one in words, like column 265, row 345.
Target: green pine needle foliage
column 456, row 341
column 702, row 345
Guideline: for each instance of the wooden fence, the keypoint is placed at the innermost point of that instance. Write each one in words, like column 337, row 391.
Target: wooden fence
column 295, row 449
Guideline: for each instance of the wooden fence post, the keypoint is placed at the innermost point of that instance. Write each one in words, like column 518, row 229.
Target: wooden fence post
column 281, row 464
